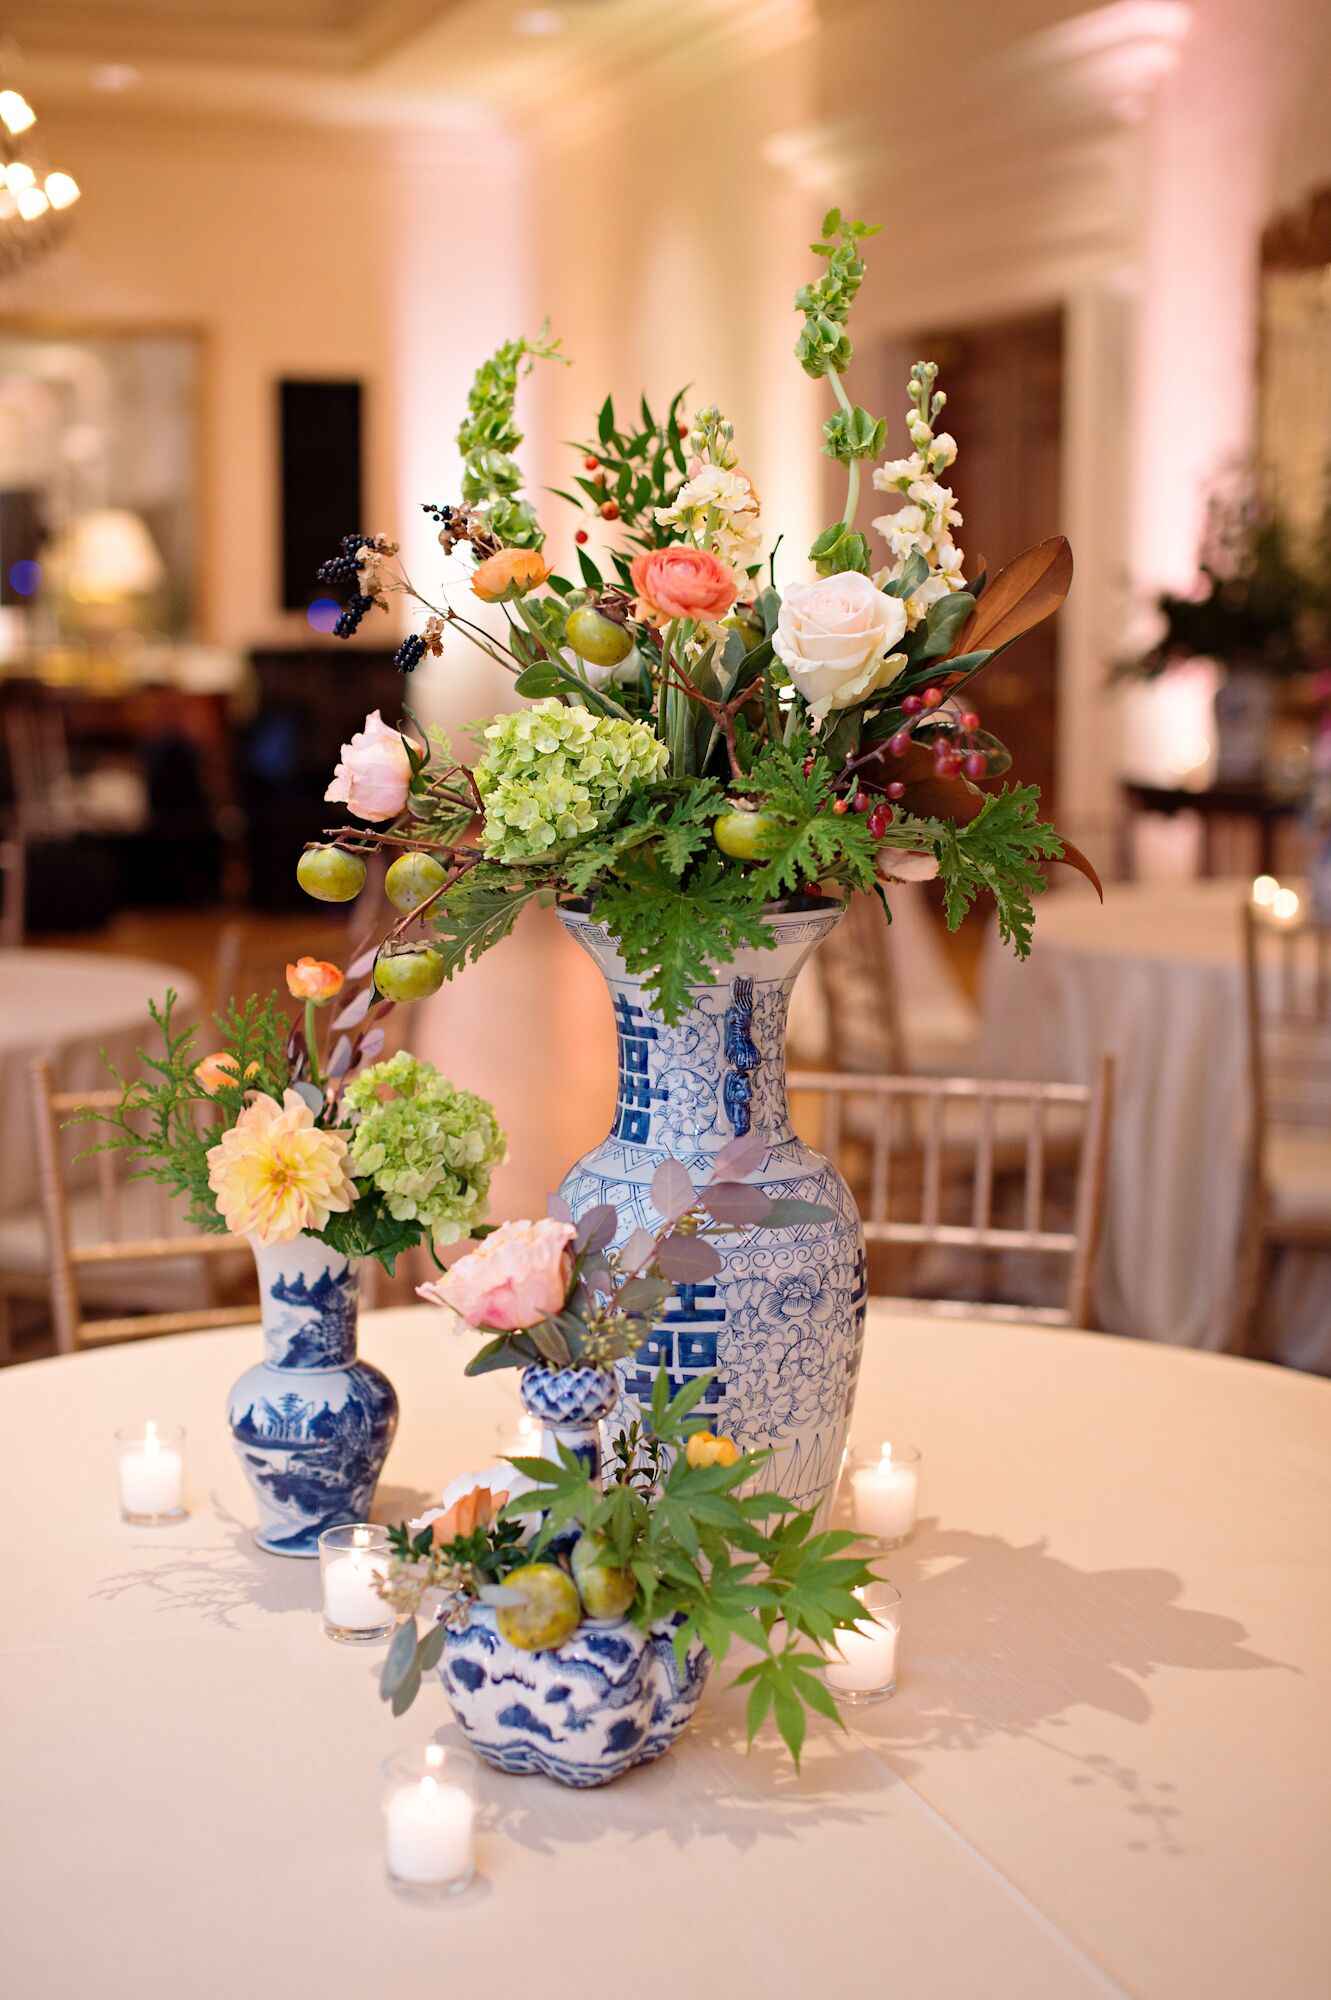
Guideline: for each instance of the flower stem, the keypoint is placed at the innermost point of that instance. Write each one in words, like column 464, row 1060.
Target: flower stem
column 853, row 469
column 312, row 1044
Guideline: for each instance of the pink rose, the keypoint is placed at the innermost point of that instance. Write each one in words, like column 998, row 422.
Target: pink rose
column 510, row 1280
column 371, row 780
column 681, row 582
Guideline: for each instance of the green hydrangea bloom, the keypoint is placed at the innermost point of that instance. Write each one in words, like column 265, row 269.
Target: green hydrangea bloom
column 429, row 1150
column 551, row 775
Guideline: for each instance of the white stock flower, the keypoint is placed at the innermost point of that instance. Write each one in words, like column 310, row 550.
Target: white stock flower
column 834, row 638
column 895, row 474
column 934, row 587
column 950, row 560
column 943, row 451
column 718, row 509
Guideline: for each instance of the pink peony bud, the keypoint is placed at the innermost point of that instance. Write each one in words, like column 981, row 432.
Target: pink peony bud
column 372, row 778
column 514, row 1278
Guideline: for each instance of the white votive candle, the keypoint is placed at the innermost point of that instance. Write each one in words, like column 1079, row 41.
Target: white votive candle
column 353, row 1560
column 430, row 1820
column 861, row 1662
column 152, row 1470
column 885, row 1493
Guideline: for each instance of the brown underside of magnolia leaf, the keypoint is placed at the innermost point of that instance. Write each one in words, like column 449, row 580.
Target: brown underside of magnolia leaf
column 1032, row 586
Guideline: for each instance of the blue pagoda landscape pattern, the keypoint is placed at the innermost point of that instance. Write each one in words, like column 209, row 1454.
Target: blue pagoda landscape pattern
column 315, row 1461
column 321, row 1332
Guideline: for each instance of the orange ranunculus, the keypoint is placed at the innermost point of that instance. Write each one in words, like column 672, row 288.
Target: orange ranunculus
column 215, row 1070
column 314, row 979
column 705, row 1449
column 509, row 573
column 682, row 582
column 477, row 1509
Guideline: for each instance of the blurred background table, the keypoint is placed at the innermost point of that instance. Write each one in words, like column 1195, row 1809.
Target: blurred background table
column 1156, row 976
column 1108, row 1746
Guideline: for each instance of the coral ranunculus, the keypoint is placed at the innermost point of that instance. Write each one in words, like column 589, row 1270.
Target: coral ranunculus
column 681, row 582
column 275, row 1173
column 215, row 1070
column 515, row 1278
column 314, row 979
column 374, row 773
column 507, row 574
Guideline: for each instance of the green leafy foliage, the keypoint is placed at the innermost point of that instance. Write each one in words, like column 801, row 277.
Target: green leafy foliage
column 840, row 548
column 823, row 343
column 477, row 911
column 674, row 930
column 489, row 436
column 805, row 840
column 851, row 434
column 1000, row 851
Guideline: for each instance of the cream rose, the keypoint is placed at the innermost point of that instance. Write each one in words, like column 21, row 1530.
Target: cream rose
column 835, row 640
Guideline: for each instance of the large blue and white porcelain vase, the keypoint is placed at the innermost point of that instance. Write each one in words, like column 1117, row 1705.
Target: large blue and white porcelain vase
column 782, row 1325
column 311, row 1424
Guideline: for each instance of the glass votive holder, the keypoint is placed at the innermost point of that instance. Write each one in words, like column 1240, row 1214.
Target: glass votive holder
column 519, row 1438
column 882, row 1483
column 430, row 1819
column 862, row 1664
column 152, row 1473
column 353, row 1560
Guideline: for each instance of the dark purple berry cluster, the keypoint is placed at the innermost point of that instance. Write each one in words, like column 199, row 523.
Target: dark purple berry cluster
column 351, row 617
column 409, row 654
column 343, row 566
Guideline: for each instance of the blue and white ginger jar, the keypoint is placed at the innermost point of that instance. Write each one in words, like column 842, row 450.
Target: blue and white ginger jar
column 782, row 1324
column 311, row 1424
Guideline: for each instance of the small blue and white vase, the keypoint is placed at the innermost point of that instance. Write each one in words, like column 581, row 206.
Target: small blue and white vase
column 583, row 1713
column 781, row 1326
column 569, row 1404
column 311, row 1424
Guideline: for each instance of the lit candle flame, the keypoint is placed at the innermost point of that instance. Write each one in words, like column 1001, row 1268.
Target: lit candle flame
column 360, row 1538
column 1285, row 905
column 885, row 1464
column 151, row 1441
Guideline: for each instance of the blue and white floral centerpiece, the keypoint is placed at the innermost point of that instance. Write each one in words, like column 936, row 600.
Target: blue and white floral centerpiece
column 574, row 1602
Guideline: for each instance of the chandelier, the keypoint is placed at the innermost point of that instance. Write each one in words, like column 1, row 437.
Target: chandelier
column 32, row 201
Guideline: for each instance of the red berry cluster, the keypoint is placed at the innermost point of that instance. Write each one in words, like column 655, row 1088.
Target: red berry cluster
column 954, row 750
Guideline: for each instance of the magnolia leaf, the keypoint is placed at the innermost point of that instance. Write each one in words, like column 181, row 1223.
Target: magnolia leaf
column 597, row 1227
column 1076, row 859
column 639, row 1250
column 739, row 1158
column 1032, row 586
column 356, row 1009
column 673, row 1193
column 558, row 1209
column 736, row 1201
column 688, row 1260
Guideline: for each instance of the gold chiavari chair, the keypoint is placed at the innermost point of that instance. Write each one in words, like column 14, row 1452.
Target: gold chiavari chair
column 1288, row 995
column 110, row 1258
column 914, row 1167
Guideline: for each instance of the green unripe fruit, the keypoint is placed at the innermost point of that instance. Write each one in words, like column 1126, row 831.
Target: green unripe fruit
column 599, row 640
column 549, row 1613
column 411, row 878
column 331, row 874
column 738, row 833
column 750, row 631
column 606, row 1591
column 413, row 974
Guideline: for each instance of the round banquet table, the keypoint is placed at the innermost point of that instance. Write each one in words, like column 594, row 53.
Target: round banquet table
column 1105, row 1770
column 1156, row 977
column 70, row 1006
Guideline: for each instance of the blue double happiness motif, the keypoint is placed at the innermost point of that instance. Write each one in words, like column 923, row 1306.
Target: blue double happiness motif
column 633, row 1111
column 688, row 1342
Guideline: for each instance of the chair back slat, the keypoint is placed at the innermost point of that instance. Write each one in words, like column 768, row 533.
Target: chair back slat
column 866, row 1103
column 74, row 1328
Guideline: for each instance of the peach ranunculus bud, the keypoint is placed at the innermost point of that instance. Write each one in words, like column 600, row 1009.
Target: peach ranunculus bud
column 477, row 1509
column 682, row 582
column 509, row 573
column 215, row 1070
column 314, row 979
column 513, row 1279
column 703, row 1449
column 374, row 772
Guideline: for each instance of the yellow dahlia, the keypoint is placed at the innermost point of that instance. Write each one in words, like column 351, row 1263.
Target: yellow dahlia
column 275, row 1173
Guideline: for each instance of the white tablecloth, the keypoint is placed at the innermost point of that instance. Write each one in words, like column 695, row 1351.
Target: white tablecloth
column 1156, row 977
column 1105, row 1770
column 69, row 1006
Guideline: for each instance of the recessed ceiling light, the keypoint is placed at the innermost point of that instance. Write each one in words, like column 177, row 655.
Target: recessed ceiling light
column 538, row 21
column 113, row 76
